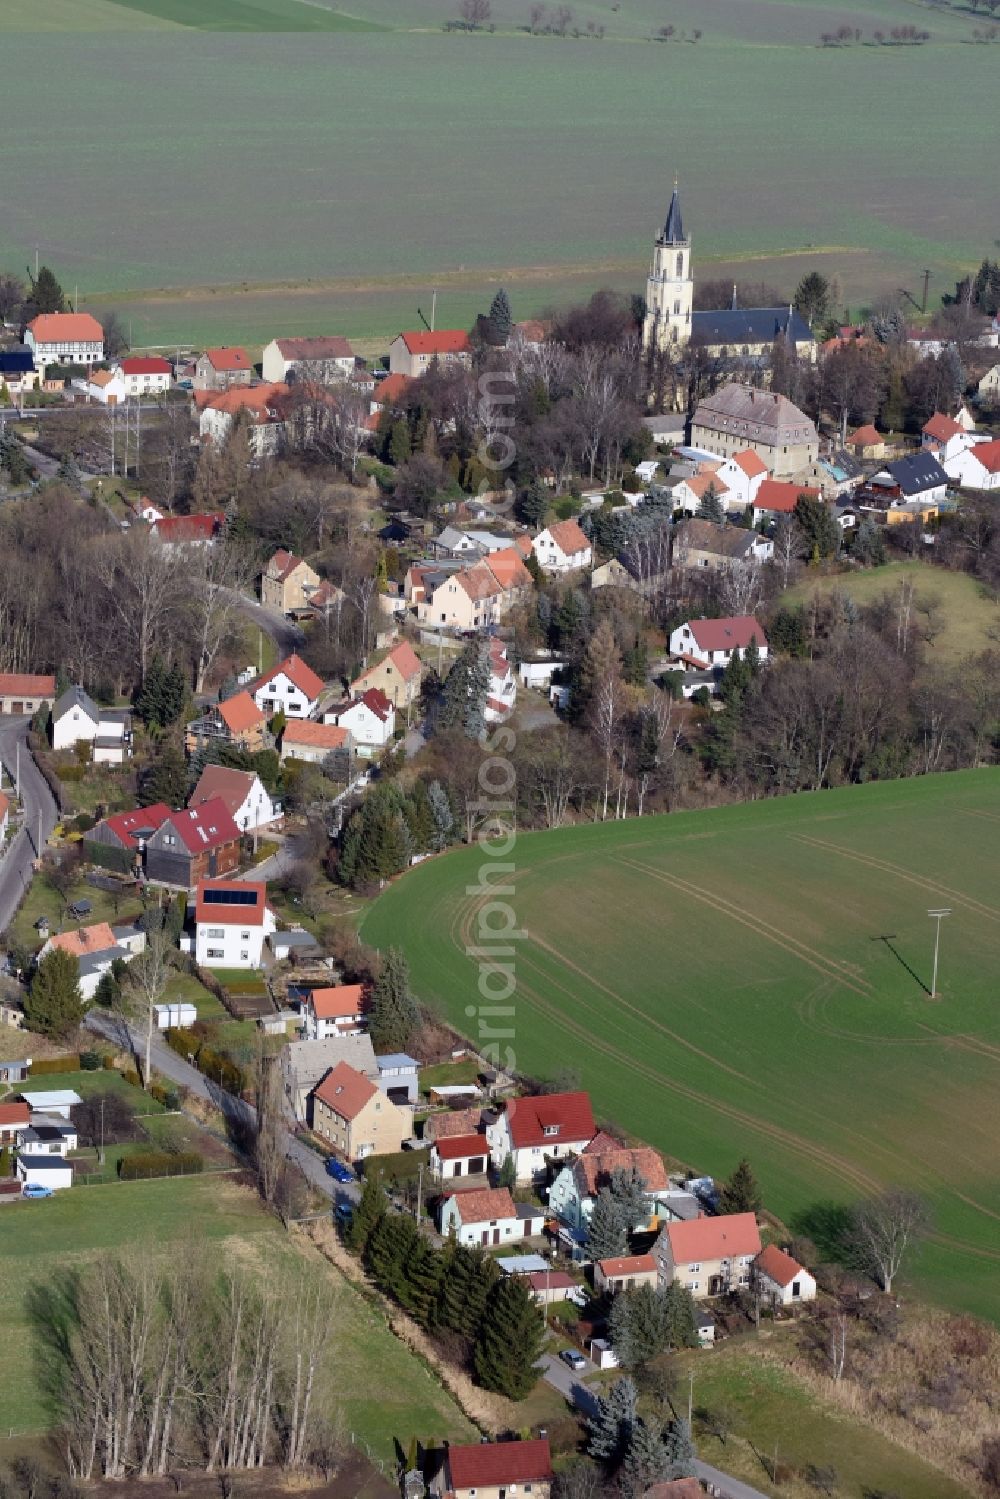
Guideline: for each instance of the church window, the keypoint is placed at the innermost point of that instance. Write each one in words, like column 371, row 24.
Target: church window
column 680, row 264
column 677, row 307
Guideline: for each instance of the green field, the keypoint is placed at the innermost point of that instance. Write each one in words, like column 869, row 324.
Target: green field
column 717, row 981
column 274, row 149
column 383, row 1391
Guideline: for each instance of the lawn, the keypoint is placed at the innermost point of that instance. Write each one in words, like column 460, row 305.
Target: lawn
column 44, row 899
column 448, row 1074
column 717, row 981
column 383, row 1391
column 969, row 616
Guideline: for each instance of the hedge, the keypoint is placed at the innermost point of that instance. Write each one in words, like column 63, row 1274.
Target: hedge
column 160, row 1163
column 69, row 1063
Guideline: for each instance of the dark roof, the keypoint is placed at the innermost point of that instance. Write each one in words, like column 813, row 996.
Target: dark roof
column 747, row 325
column 16, row 361
column 917, row 473
column 673, row 229
column 75, row 697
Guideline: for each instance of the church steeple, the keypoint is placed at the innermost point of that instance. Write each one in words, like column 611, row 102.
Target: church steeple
column 673, row 229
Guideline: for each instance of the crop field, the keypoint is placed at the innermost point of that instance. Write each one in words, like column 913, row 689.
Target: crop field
column 756, row 980
column 274, row 147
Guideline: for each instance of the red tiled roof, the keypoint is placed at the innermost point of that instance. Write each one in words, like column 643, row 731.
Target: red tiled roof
column 593, row 1170
column 568, row 1115
column 203, row 828
column 455, row 1122
column 507, row 566
column 14, row 1113
column 96, row 938
column 100, row 378
column 129, row 827
column 988, row 454
column 478, row 582
column 345, row 1091
column 941, row 427
column 298, row 673
column 66, row 327
column 628, row 1264
column 484, row 1205
column 26, row 684
column 776, row 494
column 865, row 437
column 777, row 1265
column 282, row 564
column 254, row 398
column 376, row 700
column 240, row 713
column 750, row 462
column 727, row 634
column 137, row 365
column 700, row 484
column 445, row 341
column 389, row 390
column 550, row 1280
column 225, row 360
column 342, row 999
column 231, row 915
column 495, row 1464
column 402, row 656
column 713, row 1238
column 568, row 537
column 306, row 731
column 460, row 1147
column 231, row 786
column 181, row 528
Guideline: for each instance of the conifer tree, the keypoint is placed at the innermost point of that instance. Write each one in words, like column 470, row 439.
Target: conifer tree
column 483, row 1276
column 53, row 1006
column 399, row 448
column 607, row 1234
column 510, row 1339
column 46, row 293
column 711, row 507
column 441, row 816
column 422, row 1283
column 680, row 1450
column 646, row 1461
column 479, row 686
column 388, row 1252
column 610, row 1427
column 165, row 778
column 370, row 1211
column 629, row 1189
column 680, row 1318
column 395, row 1016
column 741, row 1193
column 500, row 319
column 420, row 818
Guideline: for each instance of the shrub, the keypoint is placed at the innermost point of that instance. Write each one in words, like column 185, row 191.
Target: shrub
column 109, row 1063
column 184, row 1042
column 55, row 1064
column 160, row 1163
column 72, row 773
column 83, row 822
column 131, row 1075
column 90, row 1061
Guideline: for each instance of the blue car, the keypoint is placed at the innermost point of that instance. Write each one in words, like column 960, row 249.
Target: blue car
column 35, row 1189
column 339, row 1171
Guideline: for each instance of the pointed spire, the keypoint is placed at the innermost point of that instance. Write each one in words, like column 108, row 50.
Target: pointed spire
column 673, row 229
column 789, row 332
column 734, row 305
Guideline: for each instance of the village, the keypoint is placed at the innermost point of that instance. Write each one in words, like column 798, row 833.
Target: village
column 300, row 601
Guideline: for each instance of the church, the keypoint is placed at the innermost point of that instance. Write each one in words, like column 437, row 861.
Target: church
column 744, row 332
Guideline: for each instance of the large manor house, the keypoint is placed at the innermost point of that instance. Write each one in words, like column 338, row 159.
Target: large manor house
column 671, row 319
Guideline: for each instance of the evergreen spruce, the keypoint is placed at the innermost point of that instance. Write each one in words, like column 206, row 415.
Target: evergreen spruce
column 741, row 1193
column 443, row 821
column 680, row 1450
column 610, row 1427
column 500, row 319
column 46, row 293
column 388, row 1252
column 368, row 1214
column 69, row 472
column 53, row 1006
column 150, row 700
column 165, row 778
column 637, row 1326
column 711, row 507
column 479, row 686
column 646, row 1462
column 422, row 1287
column 175, row 689
column 680, row 1318
column 607, row 1234
column 420, row 818
column 399, row 448
column 482, row 1278
column 629, row 1189
column 395, row 1016
column 510, row 1340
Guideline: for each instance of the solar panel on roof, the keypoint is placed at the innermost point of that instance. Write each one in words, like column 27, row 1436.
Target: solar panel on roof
column 232, row 897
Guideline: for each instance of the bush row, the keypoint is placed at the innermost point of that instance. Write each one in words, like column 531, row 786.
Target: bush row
column 73, row 1062
column 212, row 1063
column 160, row 1163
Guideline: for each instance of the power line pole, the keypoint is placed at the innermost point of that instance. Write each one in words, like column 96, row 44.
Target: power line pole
column 690, row 1396
column 937, row 916
column 420, row 1188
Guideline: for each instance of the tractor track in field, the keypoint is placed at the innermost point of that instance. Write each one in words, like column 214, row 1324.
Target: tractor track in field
column 977, row 907
column 830, row 968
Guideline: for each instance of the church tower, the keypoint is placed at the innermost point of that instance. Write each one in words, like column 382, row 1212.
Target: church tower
column 669, row 288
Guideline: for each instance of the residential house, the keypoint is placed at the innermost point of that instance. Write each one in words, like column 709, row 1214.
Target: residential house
column 399, row 1077
column 988, row 387
column 291, row 688
column 369, row 719
column 77, row 719
column 836, row 476
column 737, row 417
column 145, row 376
column 264, row 407
column 105, row 386
column 397, row 673
column 64, row 338
column 919, row 476
column 781, row 1279
column 353, row 1115
column 501, row 690
column 237, row 721
column 338, row 1011
column 714, row 642
column 742, row 474
column 232, row 920
column 119, row 841
column 481, row 1216
column 95, row 949
column 495, row 1470
column 327, row 599
column 411, row 354
column 17, row 370
column 691, row 493
column 202, row 530
column 324, row 360
column 776, row 497
column 26, row 692
column 455, row 1156
column 625, row 1272
column 939, row 430
column 866, row 443
column 219, row 369
column 977, row 467
column 467, row 600
column 288, row 583
column 708, row 1256
column 575, row 1189
column 197, row 844
column 304, row 1064
column 51, row 1171
column 243, row 793
column 535, row 1131
column 704, row 544
column 315, row 743
column 49, row 1135
column 562, row 548
column 14, row 1120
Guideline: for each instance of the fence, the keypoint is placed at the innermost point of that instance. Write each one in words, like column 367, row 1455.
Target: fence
column 106, row 1178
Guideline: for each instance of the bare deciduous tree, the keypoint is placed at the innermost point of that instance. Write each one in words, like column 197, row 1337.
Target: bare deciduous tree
column 884, row 1229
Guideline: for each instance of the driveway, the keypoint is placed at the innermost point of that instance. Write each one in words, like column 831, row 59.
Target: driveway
column 284, row 632
column 17, row 865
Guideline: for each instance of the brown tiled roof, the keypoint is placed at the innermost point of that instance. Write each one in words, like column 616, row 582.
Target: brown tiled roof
column 568, row 537
column 729, row 634
column 593, row 1171
column 484, row 1204
column 568, row 1116
column 460, row 1147
column 499, row 1464
column 777, row 1265
column 203, row 828
column 342, row 999
column 231, row 915
column 97, row 938
column 455, row 1122
column 231, row 786
column 14, row 1113
column 240, row 713
column 26, row 684
column 628, row 1264
column 776, row 494
column 333, row 347
column 298, row 673
column 713, row 1238
column 478, row 582
column 345, row 1090
column 306, row 731
column 66, row 327
column 225, row 360
column 750, row 462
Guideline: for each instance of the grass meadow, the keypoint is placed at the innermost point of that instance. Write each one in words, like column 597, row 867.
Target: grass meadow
column 381, row 1389
column 272, row 149
column 718, row 982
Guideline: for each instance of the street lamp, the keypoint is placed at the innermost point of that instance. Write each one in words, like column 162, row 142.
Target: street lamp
column 937, row 917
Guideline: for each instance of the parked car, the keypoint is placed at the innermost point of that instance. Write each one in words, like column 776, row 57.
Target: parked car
column 575, row 1360
column 344, row 1212
column 338, row 1170
column 577, row 1296
column 35, row 1189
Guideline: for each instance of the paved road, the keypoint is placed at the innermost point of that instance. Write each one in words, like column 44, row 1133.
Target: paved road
column 17, row 865
column 167, row 1062
column 284, row 632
